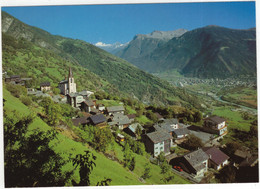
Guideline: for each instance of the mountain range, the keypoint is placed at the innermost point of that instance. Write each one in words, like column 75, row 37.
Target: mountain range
column 208, row 52
column 33, row 52
column 111, row 48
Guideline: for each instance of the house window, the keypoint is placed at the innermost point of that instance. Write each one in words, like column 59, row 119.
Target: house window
column 156, row 148
column 161, row 143
column 161, row 148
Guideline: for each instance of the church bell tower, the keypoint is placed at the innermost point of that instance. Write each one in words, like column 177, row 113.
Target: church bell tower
column 71, row 84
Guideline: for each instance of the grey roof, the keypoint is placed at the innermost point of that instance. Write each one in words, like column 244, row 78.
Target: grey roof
column 182, row 131
column 133, row 127
column 171, row 121
column 215, row 119
column 26, row 79
column 159, row 136
column 99, row 118
column 196, row 158
column 120, row 119
column 83, row 93
column 165, row 127
column 115, row 108
column 45, row 84
column 74, row 94
column 81, row 120
column 88, row 102
column 182, row 125
column 64, row 81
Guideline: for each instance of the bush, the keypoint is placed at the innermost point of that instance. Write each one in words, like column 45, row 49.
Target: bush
column 26, row 100
column 16, row 90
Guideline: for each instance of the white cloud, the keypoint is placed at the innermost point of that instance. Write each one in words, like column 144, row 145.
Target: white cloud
column 101, row 44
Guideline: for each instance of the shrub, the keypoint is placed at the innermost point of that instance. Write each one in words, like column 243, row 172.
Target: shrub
column 26, row 100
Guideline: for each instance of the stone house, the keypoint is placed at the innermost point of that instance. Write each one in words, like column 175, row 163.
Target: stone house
column 46, row 86
column 157, row 142
column 98, row 120
column 115, row 109
column 120, row 120
column 87, row 105
column 131, row 130
column 195, row 163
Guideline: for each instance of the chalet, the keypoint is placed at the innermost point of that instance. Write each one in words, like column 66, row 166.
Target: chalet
column 98, row 120
column 115, row 109
column 120, row 120
column 217, row 158
column 195, row 163
column 87, row 105
column 46, row 86
column 131, row 130
column 157, row 142
column 81, row 121
column 215, row 125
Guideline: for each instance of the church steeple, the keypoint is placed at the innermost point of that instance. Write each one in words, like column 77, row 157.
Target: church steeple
column 70, row 73
column 71, row 84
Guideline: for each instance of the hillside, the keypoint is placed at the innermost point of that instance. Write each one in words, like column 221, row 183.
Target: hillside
column 67, row 145
column 124, row 76
column 144, row 44
column 206, row 52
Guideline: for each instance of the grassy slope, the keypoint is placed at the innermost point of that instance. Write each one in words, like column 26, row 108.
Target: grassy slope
column 65, row 146
column 126, row 77
column 21, row 57
column 105, row 167
column 234, row 118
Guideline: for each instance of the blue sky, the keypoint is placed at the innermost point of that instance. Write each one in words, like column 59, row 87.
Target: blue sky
column 120, row 23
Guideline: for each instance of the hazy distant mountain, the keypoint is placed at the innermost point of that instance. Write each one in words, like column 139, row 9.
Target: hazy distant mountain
column 111, row 48
column 143, row 44
column 206, row 52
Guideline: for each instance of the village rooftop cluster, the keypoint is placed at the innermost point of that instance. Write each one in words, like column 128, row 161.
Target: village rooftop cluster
column 160, row 138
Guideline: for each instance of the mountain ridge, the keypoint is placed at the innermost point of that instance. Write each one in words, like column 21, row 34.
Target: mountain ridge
column 126, row 77
column 206, row 52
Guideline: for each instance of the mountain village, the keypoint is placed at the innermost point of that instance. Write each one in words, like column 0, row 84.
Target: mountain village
column 161, row 138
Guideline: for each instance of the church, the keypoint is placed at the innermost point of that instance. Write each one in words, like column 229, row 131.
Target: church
column 68, row 86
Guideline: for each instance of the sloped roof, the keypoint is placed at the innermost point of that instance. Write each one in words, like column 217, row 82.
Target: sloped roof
column 115, row 108
column 64, row 81
column 165, row 127
column 196, row 158
column 45, row 84
column 159, row 136
column 120, row 119
column 182, row 131
column 216, row 119
column 216, row 155
column 133, row 127
column 99, row 118
column 88, row 102
column 81, row 120
column 242, row 154
column 131, row 116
